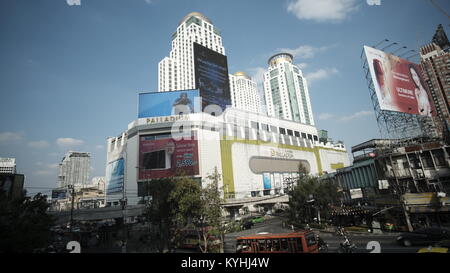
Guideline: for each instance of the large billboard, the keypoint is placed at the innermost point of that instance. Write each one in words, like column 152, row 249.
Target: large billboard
column 157, row 104
column 115, row 176
column 211, row 77
column 160, row 158
column 399, row 84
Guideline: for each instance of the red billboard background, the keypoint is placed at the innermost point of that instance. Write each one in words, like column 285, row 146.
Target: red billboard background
column 399, row 84
column 160, row 158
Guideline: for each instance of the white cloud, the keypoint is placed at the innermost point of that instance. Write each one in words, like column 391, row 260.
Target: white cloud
column 302, row 65
column 38, row 144
column 325, row 116
column 10, row 136
column 320, row 74
column 328, row 116
column 356, row 115
column 68, row 141
column 149, row 2
column 322, row 10
column 257, row 74
column 304, row 51
column 73, row 2
column 99, row 147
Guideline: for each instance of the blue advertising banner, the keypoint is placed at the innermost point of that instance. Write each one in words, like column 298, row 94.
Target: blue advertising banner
column 59, row 194
column 211, row 77
column 267, row 181
column 156, row 104
column 115, row 176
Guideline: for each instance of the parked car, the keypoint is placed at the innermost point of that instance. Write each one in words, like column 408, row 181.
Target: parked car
column 258, row 219
column 423, row 236
column 247, row 224
column 440, row 247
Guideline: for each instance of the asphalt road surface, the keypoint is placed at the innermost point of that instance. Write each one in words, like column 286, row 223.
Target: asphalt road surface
column 387, row 243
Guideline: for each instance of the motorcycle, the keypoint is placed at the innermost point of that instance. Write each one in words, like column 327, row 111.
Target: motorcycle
column 323, row 246
column 346, row 246
column 340, row 231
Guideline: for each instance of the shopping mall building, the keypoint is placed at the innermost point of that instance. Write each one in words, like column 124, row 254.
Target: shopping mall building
column 258, row 156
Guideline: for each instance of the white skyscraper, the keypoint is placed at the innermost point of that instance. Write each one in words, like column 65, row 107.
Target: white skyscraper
column 74, row 170
column 177, row 72
column 286, row 90
column 244, row 94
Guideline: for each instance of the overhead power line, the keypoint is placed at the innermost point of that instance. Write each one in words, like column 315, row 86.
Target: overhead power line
column 440, row 8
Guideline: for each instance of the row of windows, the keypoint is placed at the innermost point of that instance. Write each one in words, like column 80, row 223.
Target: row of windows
column 281, row 130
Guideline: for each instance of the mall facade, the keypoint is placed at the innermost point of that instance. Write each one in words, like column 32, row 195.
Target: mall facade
column 257, row 155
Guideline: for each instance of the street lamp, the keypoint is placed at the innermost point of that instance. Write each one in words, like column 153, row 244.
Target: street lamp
column 384, row 48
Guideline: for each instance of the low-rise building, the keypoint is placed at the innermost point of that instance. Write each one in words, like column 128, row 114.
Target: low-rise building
column 400, row 181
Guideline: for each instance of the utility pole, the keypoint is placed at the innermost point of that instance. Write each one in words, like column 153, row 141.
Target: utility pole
column 400, row 199
column 124, row 204
column 72, row 193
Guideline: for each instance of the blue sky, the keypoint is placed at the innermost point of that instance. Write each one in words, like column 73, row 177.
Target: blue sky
column 70, row 74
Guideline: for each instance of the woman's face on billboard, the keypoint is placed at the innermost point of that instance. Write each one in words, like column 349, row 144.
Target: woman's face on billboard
column 415, row 77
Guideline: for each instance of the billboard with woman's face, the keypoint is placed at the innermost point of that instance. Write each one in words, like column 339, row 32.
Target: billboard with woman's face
column 398, row 84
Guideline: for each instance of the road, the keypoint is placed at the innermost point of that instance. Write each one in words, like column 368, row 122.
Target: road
column 386, row 241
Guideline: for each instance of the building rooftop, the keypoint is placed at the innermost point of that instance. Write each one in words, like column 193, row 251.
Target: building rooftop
column 283, row 56
column 196, row 14
column 242, row 74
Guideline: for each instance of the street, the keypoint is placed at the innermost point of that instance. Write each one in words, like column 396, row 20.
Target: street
column 387, row 241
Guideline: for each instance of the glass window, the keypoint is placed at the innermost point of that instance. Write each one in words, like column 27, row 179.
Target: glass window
column 296, row 133
column 310, row 239
column 262, row 245
column 282, row 131
column 275, row 245
column 284, row 245
column 254, row 125
column 290, row 133
column 426, row 159
column 303, row 135
column 439, row 157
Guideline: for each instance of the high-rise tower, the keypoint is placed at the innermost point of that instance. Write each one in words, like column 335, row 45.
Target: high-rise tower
column 244, row 94
column 74, row 170
column 177, row 72
column 286, row 90
column 435, row 63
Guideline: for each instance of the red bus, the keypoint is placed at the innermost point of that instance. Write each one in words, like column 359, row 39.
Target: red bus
column 295, row 242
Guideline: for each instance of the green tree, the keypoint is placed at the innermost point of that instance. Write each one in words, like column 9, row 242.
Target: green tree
column 24, row 223
column 160, row 214
column 210, row 220
column 310, row 196
column 179, row 203
column 186, row 197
